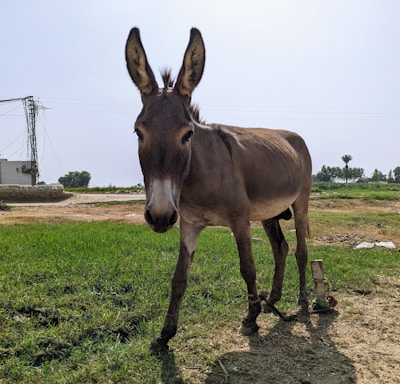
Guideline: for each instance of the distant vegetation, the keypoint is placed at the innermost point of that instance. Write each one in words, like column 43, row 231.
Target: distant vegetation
column 329, row 177
column 75, row 179
column 390, row 191
column 345, row 174
column 109, row 189
column 364, row 191
column 337, row 174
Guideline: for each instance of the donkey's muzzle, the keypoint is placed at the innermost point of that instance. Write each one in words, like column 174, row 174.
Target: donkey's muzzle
column 161, row 223
column 161, row 211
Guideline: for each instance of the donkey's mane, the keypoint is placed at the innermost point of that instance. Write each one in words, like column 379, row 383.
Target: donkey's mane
column 167, row 78
column 169, row 81
column 194, row 111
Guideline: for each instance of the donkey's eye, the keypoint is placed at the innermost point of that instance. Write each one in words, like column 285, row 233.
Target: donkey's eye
column 139, row 134
column 187, row 137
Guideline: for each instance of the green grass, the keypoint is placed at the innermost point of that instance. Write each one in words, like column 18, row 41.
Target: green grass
column 80, row 302
column 109, row 189
column 356, row 221
column 363, row 191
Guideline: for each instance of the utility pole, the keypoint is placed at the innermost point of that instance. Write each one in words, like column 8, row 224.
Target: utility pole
column 31, row 111
column 31, row 108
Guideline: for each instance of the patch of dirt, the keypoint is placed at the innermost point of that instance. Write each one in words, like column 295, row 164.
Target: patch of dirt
column 358, row 343
column 354, row 232
column 356, row 205
column 79, row 207
column 351, row 239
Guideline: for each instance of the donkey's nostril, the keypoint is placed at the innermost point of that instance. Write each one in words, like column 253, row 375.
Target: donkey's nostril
column 160, row 221
column 173, row 218
column 148, row 217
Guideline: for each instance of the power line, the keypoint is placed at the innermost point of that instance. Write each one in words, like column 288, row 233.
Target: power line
column 299, row 112
column 12, row 100
column 14, row 141
column 10, row 110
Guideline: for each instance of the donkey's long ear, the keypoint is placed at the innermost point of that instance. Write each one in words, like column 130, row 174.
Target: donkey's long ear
column 138, row 67
column 193, row 65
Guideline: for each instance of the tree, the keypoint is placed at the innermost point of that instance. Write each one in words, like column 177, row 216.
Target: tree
column 346, row 159
column 396, row 174
column 325, row 174
column 378, row 176
column 75, row 179
column 390, row 178
column 355, row 173
column 329, row 174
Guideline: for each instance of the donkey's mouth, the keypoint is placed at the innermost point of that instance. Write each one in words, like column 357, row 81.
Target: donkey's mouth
column 161, row 224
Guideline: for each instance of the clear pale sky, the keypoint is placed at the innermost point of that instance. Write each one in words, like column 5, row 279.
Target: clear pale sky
column 329, row 70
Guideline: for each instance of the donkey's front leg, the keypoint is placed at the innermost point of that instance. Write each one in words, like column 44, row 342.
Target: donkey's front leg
column 301, row 223
column 248, row 271
column 188, row 241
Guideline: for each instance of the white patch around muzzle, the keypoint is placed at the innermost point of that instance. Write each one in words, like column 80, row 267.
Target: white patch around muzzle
column 161, row 211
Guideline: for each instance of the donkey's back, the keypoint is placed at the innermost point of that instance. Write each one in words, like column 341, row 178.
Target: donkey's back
column 253, row 172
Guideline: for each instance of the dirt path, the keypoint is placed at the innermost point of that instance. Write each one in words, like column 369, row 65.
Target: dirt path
column 79, row 207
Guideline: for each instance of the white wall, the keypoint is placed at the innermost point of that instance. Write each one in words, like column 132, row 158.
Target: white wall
column 11, row 172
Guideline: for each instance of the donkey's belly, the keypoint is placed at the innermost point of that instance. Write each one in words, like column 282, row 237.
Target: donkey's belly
column 266, row 211
column 224, row 215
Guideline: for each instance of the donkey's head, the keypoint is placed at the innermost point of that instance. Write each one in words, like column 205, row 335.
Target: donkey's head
column 164, row 127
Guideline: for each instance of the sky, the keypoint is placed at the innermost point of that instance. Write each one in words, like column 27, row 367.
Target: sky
column 328, row 70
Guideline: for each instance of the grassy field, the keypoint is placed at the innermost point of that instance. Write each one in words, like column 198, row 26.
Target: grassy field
column 80, row 302
column 364, row 191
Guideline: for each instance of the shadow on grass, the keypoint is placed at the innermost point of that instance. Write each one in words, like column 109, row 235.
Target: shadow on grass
column 170, row 373
column 283, row 356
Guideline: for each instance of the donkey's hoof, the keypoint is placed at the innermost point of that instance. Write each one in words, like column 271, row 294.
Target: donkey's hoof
column 248, row 329
column 158, row 346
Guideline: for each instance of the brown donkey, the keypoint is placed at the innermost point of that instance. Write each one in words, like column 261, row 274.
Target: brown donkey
column 216, row 175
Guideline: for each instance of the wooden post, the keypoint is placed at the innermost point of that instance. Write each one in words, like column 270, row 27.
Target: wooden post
column 320, row 285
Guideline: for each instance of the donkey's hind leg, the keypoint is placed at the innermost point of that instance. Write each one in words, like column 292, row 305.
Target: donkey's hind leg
column 280, row 250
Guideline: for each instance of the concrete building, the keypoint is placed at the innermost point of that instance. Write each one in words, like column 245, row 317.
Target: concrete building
column 17, row 172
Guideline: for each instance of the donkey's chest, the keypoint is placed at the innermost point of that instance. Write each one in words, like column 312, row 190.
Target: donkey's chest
column 202, row 216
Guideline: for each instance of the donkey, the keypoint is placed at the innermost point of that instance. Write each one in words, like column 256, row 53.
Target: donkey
column 213, row 174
